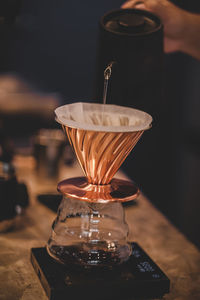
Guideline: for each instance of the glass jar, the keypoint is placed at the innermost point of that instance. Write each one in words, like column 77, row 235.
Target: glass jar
column 89, row 234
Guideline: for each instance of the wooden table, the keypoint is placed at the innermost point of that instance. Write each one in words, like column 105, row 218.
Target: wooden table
column 175, row 255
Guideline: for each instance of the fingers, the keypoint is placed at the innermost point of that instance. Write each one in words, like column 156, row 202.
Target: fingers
column 176, row 21
column 153, row 6
column 134, row 4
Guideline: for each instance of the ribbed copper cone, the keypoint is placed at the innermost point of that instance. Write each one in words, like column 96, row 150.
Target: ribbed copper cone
column 100, row 154
column 102, row 137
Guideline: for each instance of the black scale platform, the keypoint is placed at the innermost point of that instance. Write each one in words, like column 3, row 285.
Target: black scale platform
column 139, row 277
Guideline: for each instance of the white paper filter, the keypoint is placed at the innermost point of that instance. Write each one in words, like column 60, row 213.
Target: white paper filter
column 100, row 117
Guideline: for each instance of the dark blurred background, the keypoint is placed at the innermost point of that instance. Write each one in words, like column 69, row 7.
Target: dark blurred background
column 51, row 46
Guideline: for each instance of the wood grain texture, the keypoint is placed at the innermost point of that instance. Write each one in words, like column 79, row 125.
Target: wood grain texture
column 175, row 255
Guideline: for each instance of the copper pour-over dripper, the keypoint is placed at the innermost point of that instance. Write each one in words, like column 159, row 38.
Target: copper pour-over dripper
column 102, row 136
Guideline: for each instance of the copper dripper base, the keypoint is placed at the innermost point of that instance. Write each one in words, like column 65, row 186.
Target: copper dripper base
column 79, row 188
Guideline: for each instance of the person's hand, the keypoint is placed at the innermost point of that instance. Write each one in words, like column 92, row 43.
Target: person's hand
column 171, row 16
column 181, row 28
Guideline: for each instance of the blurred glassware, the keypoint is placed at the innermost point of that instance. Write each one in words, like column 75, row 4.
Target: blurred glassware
column 48, row 152
column 6, row 147
column 13, row 197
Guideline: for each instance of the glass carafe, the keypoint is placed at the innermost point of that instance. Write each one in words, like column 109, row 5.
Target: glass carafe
column 89, row 234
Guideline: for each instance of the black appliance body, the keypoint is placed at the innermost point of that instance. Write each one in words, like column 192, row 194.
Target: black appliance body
column 133, row 40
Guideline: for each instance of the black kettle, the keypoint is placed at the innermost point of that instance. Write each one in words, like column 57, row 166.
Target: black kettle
column 133, row 40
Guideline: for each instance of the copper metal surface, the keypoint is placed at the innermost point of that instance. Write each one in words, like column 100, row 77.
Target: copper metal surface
column 117, row 190
column 100, row 154
column 173, row 252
